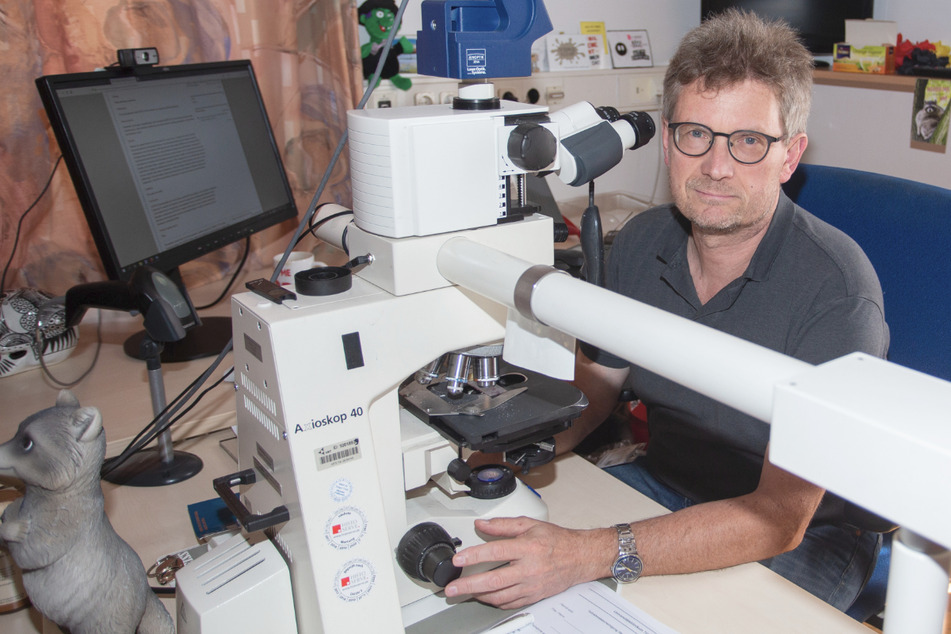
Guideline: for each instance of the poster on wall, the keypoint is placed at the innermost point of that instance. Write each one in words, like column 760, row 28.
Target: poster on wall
column 630, row 49
column 930, row 114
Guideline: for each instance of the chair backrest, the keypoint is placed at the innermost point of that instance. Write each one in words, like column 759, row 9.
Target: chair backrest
column 905, row 229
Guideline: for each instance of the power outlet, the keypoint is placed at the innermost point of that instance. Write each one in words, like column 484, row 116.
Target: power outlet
column 424, row 99
column 383, row 99
column 639, row 91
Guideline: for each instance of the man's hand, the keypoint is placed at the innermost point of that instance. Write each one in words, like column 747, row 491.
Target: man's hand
column 543, row 560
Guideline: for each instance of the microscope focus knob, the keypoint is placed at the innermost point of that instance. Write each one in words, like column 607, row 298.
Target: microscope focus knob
column 425, row 553
column 532, row 147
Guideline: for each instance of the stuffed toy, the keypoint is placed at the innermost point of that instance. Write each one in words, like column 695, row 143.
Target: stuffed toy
column 378, row 17
column 76, row 570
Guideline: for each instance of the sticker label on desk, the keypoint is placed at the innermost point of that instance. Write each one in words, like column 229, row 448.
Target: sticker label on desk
column 345, row 528
column 337, row 454
column 354, row 580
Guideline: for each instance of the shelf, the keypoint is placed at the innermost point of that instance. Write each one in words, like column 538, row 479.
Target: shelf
column 899, row 83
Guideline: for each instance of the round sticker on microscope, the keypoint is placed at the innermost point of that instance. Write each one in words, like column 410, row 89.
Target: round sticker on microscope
column 345, row 528
column 341, row 489
column 354, row 580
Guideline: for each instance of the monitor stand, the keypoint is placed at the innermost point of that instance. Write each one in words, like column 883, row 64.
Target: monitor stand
column 161, row 465
column 206, row 340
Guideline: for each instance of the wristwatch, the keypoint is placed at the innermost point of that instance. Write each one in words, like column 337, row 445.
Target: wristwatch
column 628, row 566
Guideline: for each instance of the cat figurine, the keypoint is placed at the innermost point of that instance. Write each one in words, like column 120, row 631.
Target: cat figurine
column 76, row 570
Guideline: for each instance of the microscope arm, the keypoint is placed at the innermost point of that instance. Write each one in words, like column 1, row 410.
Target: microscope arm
column 732, row 370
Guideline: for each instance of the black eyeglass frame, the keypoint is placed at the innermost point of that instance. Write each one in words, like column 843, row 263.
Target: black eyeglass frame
column 713, row 137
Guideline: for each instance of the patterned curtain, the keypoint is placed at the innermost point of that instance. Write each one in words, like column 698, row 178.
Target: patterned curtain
column 307, row 60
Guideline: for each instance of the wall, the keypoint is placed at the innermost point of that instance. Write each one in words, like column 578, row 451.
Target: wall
column 918, row 19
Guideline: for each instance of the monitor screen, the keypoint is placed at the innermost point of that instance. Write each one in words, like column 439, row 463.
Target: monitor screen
column 169, row 163
column 820, row 23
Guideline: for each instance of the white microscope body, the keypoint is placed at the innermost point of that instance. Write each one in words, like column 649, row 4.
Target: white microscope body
column 341, row 458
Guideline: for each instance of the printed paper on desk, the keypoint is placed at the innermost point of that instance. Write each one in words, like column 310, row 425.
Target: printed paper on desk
column 592, row 608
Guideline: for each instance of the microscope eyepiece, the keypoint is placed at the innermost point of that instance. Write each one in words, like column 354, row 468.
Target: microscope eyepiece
column 643, row 125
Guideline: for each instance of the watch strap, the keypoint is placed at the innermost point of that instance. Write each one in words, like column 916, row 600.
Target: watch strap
column 625, row 540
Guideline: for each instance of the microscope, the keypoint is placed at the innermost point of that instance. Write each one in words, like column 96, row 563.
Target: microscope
column 359, row 394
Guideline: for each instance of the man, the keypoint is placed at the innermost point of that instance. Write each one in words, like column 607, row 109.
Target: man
column 733, row 253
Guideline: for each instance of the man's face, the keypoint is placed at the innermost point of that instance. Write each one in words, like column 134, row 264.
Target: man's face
column 714, row 191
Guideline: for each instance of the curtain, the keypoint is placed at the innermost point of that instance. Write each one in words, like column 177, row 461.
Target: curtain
column 306, row 58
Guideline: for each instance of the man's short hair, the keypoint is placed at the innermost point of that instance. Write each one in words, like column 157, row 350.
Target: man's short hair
column 730, row 47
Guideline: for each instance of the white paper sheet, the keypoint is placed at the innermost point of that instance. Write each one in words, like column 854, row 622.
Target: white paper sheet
column 590, row 608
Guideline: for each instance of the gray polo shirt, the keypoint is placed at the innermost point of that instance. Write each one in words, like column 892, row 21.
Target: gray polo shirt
column 809, row 292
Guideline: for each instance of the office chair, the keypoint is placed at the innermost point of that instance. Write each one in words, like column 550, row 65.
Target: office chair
column 904, row 227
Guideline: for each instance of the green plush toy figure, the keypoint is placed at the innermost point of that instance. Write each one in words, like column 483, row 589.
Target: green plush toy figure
column 378, row 17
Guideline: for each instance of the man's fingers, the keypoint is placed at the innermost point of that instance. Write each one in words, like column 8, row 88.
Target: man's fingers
column 483, row 583
column 505, row 526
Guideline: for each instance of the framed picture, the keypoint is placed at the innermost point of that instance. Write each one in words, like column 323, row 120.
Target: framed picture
column 567, row 52
column 630, row 49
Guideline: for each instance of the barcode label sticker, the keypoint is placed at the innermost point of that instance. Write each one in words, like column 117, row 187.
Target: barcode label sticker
column 337, row 454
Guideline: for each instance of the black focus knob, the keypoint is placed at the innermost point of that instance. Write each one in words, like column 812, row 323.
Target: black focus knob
column 425, row 553
column 532, row 147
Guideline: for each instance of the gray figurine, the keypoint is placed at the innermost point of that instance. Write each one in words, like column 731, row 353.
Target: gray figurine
column 76, row 570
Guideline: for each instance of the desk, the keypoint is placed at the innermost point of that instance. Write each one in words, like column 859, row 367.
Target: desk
column 745, row 599
column 154, row 521
column 118, row 384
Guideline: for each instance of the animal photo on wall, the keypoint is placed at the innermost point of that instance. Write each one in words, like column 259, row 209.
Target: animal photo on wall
column 930, row 114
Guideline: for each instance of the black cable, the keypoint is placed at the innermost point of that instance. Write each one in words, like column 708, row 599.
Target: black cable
column 192, row 405
column 145, row 436
column 16, row 239
column 224, row 293
column 314, row 226
column 95, row 358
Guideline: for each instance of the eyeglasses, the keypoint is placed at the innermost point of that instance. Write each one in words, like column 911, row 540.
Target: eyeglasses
column 746, row 146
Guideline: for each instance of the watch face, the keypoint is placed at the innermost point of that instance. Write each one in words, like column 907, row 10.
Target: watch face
column 627, row 568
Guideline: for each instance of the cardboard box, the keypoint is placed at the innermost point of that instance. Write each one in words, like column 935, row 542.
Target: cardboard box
column 871, row 32
column 865, row 59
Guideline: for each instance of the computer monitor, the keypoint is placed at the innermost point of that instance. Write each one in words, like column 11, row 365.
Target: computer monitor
column 169, row 163
column 820, row 23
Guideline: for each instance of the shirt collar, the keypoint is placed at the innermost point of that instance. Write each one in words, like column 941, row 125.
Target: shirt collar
column 674, row 254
